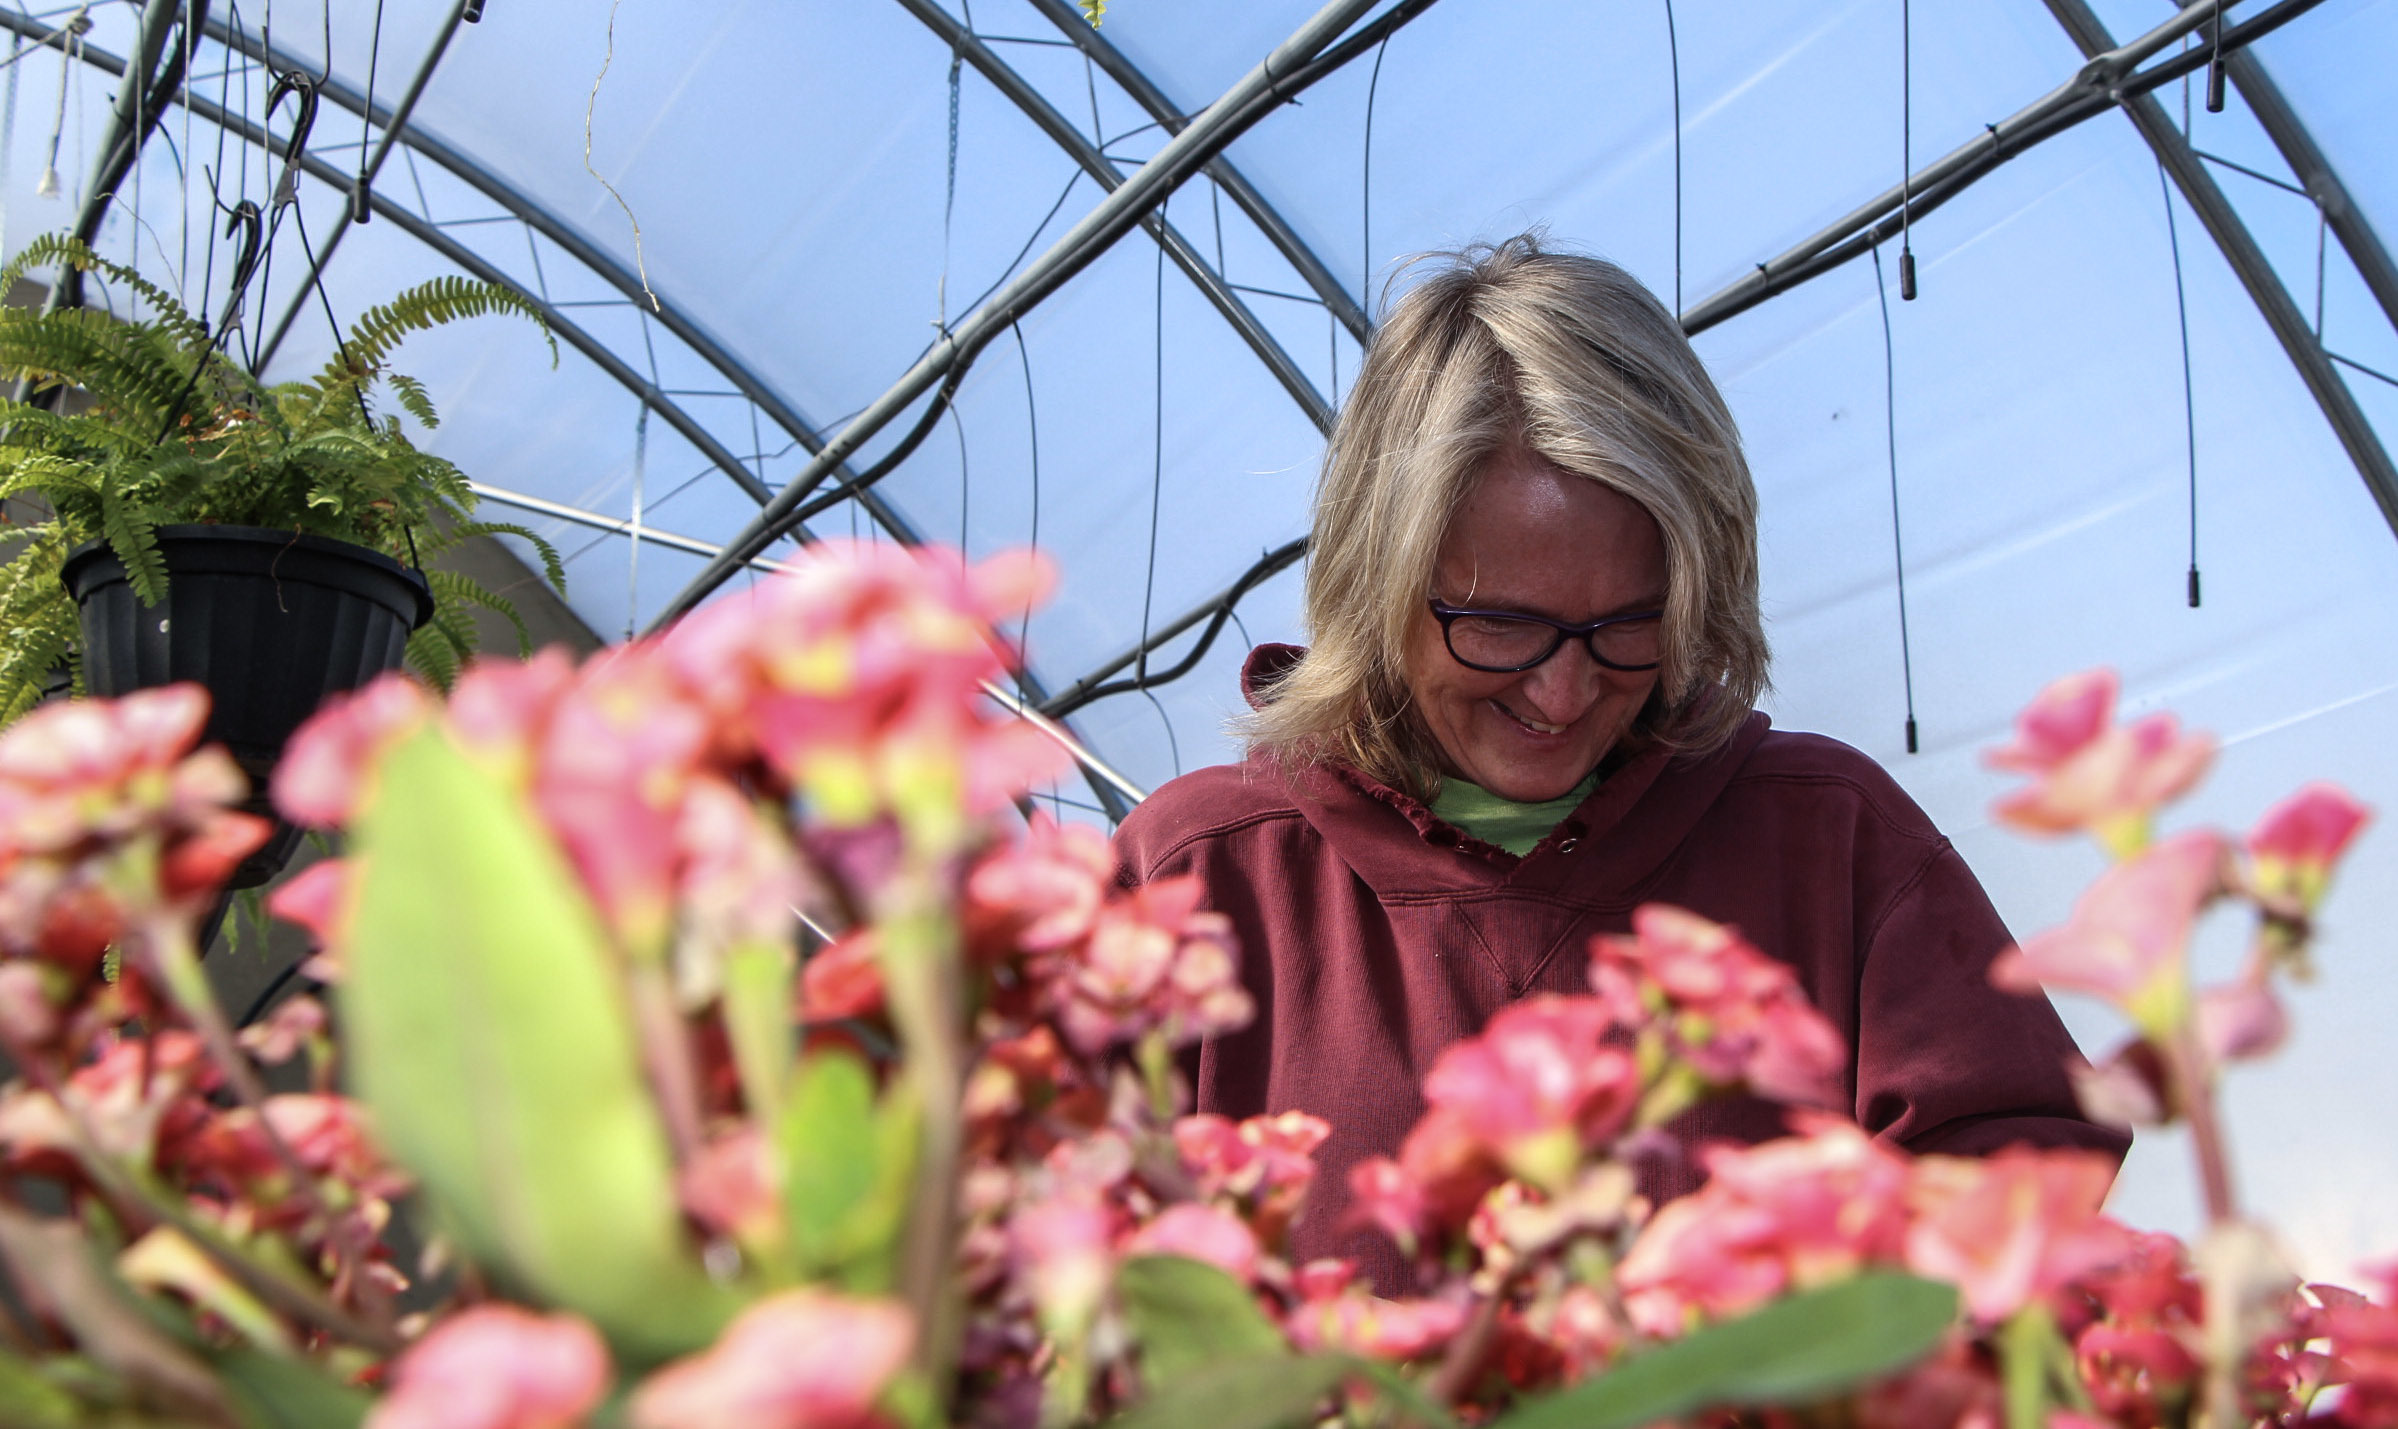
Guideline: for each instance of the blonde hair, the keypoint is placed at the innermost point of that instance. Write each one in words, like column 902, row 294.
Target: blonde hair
column 1571, row 358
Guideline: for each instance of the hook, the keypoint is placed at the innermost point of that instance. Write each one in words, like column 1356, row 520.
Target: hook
column 287, row 185
column 243, row 218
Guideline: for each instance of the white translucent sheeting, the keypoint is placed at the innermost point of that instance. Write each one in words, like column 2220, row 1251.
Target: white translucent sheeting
column 789, row 167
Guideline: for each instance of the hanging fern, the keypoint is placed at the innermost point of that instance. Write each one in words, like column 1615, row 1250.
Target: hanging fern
column 175, row 431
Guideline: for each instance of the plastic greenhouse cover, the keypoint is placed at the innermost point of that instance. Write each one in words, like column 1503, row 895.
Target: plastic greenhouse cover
column 811, row 198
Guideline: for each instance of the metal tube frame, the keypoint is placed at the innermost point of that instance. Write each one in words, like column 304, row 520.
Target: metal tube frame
column 392, row 129
column 2248, row 262
column 1106, row 789
column 2105, row 81
column 2306, row 159
column 1128, row 76
column 1306, row 56
column 1061, row 132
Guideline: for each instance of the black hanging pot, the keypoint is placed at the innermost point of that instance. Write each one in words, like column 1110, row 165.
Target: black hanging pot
column 271, row 622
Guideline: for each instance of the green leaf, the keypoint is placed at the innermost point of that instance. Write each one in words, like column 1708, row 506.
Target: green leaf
column 490, row 1034
column 29, row 1401
column 845, row 1171
column 278, row 1392
column 1793, row 1352
column 1188, row 1315
column 1252, row 1392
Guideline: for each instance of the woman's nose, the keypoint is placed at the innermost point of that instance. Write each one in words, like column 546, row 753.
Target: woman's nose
column 1565, row 684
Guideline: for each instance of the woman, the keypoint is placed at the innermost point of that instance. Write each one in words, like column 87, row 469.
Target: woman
column 1526, row 711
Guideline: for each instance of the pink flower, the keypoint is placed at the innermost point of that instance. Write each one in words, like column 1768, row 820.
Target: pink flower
column 2013, row 1227
column 1335, row 1313
column 1780, row 1216
column 729, row 1187
column 620, row 754
column 106, row 820
column 2293, row 848
column 295, row 1024
column 2092, row 774
column 2241, row 1019
column 1203, row 1233
column 327, row 770
column 803, row 1359
column 316, row 899
column 2129, row 1089
column 2364, row 1348
column 1724, row 1008
column 497, row 1367
column 1264, row 1165
column 1152, row 962
column 331, row 1138
column 843, row 979
column 500, row 709
column 1539, row 1087
column 856, row 674
column 2128, row 939
column 1061, row 1251
column 1051, row 882
column 1382, row 1195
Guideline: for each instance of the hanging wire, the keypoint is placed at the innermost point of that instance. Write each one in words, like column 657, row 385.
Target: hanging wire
column 1365, row 278
column 1673, row 60
column 949, row 198
column 965, row 476
column 1032, row 423
column 8, row 129
column 1898, row 548
column 1157, row 487
column 2181, row 307
column 363, row 208
column 1906, row 162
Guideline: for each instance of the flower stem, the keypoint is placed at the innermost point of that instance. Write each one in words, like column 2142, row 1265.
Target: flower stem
column 919, row 949
column 136, row 1199
column 1467, row 1352
column 164, row 941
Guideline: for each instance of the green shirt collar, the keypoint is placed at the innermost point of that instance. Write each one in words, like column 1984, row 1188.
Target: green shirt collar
column 1517, row 828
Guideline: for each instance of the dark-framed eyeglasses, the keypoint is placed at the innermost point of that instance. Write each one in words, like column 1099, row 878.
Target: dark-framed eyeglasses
column 1504, row 642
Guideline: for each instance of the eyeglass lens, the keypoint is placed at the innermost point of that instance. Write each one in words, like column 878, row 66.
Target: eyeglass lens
column 1497, row 642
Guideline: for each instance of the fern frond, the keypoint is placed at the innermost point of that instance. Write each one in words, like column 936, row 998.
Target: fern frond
column 553, row 569
column 446, row 642
column 412, row 399
column 133, row 535
column 453, row 590
column 37, row 623
column 428, row 305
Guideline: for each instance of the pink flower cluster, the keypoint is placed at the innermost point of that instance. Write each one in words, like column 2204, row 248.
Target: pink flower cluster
column 108, row 820
column 1681, row 1008
column 2089, row 773
column 804, row 1359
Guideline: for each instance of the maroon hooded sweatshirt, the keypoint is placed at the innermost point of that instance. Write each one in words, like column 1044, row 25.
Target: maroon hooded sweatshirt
column 1372, row 935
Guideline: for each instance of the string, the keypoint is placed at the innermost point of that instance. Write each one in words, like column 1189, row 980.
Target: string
column 1673, row 57
column 1157, row 486
column 1365, row 279
column 2181, row 307
column 1898, row 549
column 1032, row 422
column 965, row 476
column 949, row 199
